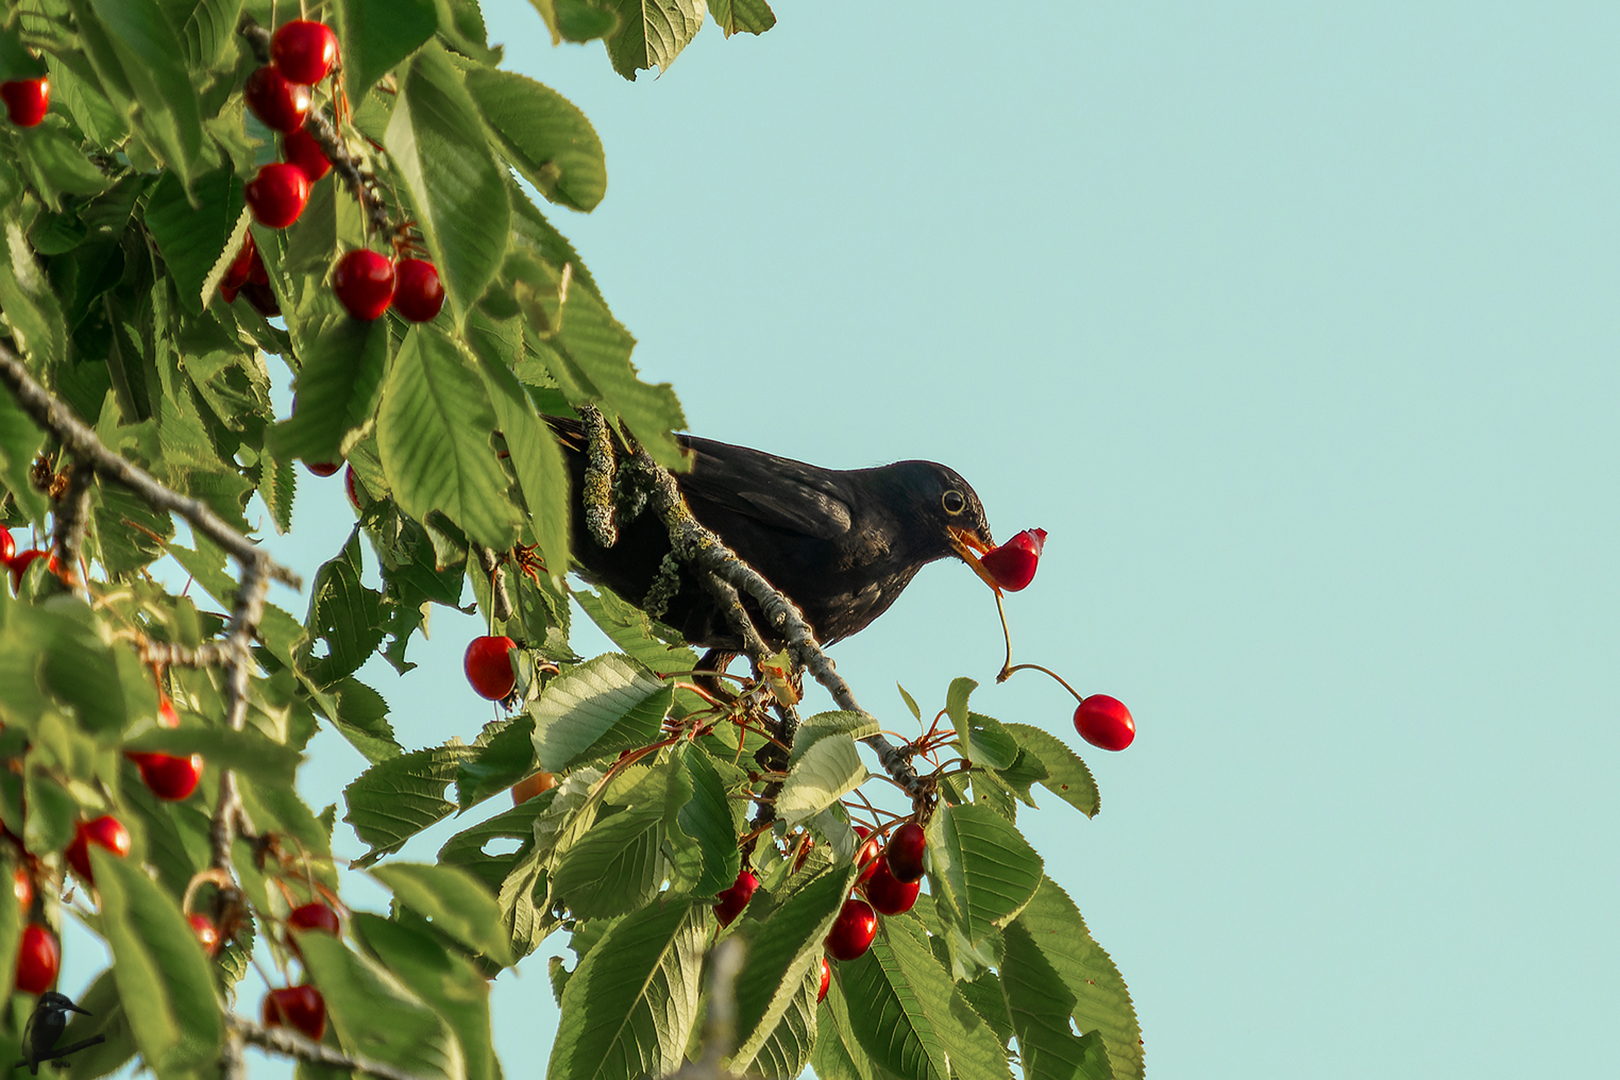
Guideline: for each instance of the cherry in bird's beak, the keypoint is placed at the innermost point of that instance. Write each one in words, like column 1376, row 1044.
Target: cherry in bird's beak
column 968, row 546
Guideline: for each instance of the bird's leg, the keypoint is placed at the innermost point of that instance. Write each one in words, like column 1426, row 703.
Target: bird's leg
column 599, row 470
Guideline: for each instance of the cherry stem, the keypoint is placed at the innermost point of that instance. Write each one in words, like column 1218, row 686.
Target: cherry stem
column 1008, row 671
column 1006, row 635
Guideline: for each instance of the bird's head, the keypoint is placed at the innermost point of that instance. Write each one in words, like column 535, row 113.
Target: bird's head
column 51, row 1000
column 949, row 503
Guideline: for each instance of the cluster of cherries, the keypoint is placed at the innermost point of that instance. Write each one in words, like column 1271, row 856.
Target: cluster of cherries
column 39, row 955
column 1102, row 721
column 301, row 1007
column 27, row 100
column 302, row 53
column 890, row 880
column 18, row 562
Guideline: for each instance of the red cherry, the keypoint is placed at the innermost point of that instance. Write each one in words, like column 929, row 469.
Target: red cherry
column 866, row 855
column 489, row 667
column 207, row 933
column 27, row 100
column 240, row 270
column 168, row 777
column 19, row 564
column 826, row 980
column 418, row 296
column 888, row 894
column 1013, row 563
column 1104, row 722
column 262, row 298
column 277, row 195
column 323, row 468
column 538, row 784
column 39, row 957
column 304, row 51
column 315, row 916
column 348, row 486
column 301, row 1007
column 852, row 932
column 300, row 148
column 905, row 852
column 105, row 831
column 364, row 283
column 734, row 899
column 22, row 883
column 8, row 545
column 167, row 717
column 279, row 102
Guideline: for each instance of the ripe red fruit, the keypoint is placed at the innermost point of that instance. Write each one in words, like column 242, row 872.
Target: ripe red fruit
column 1013, row 563
column 418, row 295
column 168, row 777
column 488, row 666
column 300, row 148
column 301, row 1007
column 538, row 784
column 27, row 100
column 105, row 831
column 19, row 564
column 826, row 980
column 323, row 468
column 207, row 933
column 734, row 899
column 304, row 51
column 315, row 916
column 241, row 269
column 866, row 856
column 852, row 932
column 167, row 717
column 905, row 852
column 1104, row 722
column 364, row 283
column 348, row 486
column 888, row 894
column 279, row 102
column 23, row 885
column 8, row 545
column 277, row 195
column 39, row 958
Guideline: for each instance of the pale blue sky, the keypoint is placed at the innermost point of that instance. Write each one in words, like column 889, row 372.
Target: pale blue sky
column 1295, row 329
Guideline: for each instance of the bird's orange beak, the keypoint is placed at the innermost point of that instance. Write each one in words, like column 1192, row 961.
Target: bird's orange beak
column 968, row 546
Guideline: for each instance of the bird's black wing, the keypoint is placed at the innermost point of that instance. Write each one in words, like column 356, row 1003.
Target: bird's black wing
column 774, row 491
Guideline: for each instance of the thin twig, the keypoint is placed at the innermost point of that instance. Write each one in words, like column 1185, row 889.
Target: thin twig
column 82, row 444
column 501, row 599
column 289, row 1043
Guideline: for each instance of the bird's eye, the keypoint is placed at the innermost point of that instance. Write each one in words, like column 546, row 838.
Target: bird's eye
column 953, row 502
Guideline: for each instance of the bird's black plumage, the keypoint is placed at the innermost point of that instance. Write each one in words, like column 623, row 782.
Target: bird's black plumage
column 841, row 544
column 44, row 1029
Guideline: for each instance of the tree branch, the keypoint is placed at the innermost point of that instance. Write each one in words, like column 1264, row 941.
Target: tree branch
column 82, row 444
column 289, row 1043
column 720, row 1025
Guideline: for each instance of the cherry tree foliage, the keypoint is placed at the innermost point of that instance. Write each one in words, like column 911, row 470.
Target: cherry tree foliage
column 198, row 204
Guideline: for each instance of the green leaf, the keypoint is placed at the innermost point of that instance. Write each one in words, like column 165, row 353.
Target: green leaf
column 104, row 1015
column 395, row 799
column 164, row 980
column 194, row 233
column 29, row 303
column 20, row 441
column 812, row 729
column 888, row 1019
column 377, row 34
column 247, row 751
column 79, row 668
column 744, row 16
column 652, row 33
column 606, row 704
column 437, row 140
column 433, row 431
column 631, row 630
column 629, row 1007
column 16, row 61
column 1066, row 775
column 362, row 717
column 345, row 614
column 837, row 1054
column 536, row 458
column 911, row 702
column 544, row 135
column 616, row 867
column 1102, row 1004
column 453, row 901
column 1040, row 1005
column 451, row 984
column 706, row 818
column 207, row 29
column 153, row 61
column 990, row 744
column 280, row 631
column 56, row 166
column 377, row 1015
column 956, row 707
column 125, row 525
column 336, row 391
column 503, row 755
column 782, row 951
column 827, row 772
column 788, row 1048
column 983, row 866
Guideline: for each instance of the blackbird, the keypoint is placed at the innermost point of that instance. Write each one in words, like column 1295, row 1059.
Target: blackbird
column 839, row 543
